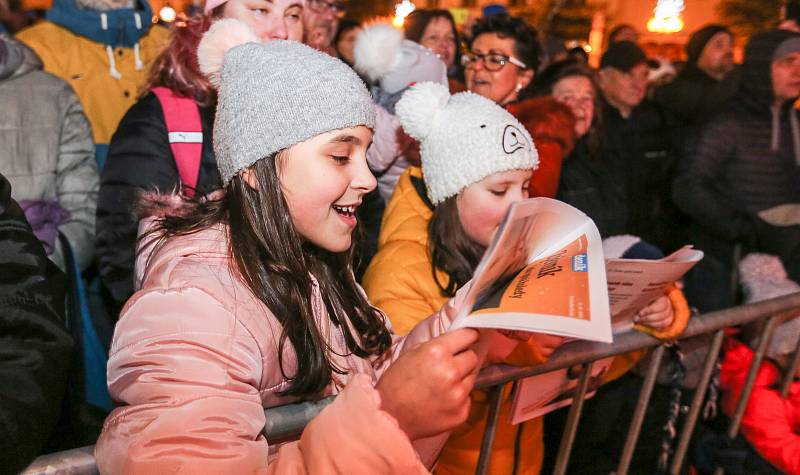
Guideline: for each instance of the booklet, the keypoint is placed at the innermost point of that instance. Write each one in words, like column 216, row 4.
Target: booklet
column 543, row 272
column 632, row 285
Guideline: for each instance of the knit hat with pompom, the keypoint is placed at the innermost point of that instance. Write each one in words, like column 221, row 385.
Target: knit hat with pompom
column 464, row 138
column 273, row 95
column 763, row 277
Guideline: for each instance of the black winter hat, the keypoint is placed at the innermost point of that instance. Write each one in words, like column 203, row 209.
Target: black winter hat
column 699, row 39
column 622, row 55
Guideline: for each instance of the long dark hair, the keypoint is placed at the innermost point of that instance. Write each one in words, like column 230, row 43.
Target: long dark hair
column 282, row 271
column 451, row 250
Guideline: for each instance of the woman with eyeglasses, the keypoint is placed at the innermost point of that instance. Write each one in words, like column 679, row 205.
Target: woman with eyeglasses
column 141, row 156
column 321, row 21
column 500, row 64
column 502, row 58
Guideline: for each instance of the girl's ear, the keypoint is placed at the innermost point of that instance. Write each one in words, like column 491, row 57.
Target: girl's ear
column 249, row 177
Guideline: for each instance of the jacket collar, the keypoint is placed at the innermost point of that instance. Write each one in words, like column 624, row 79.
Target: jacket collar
column 123, row 27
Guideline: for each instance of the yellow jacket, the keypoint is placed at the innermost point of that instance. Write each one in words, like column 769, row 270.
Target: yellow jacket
column 400, row 282
column 85, row 65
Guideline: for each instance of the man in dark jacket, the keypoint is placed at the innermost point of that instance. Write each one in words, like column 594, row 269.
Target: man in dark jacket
column 708, row 79
column 747, row 160
column 35, row 349
column 644, row 136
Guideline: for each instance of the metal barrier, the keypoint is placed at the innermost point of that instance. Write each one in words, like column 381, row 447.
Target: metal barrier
column 287, row 421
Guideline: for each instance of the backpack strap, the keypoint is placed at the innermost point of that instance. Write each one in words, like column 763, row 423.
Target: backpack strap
column 185, row 132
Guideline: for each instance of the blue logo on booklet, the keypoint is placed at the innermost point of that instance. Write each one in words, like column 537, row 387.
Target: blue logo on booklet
column 580, row 263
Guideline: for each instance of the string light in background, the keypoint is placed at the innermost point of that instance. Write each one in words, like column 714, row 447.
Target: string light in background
column 401, row 11
column 167, row 14
column 666, row 17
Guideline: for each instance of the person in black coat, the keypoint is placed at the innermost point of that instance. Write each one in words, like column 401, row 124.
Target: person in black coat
column 35, row 348
column 645, row 137
column 708, row 80
column 746, row 160
column 140, row 160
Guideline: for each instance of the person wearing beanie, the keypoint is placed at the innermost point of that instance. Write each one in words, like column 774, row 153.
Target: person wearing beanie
column 746, row 160
column 476, row 160
column 246, row 298
column 390, row 64
column 770, row 422
column 646, row 140
column 791, row 16
column 141, row 155
column 103, row 49
column 707, row 81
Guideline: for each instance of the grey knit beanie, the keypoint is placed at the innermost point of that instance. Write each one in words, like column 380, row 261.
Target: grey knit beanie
column 273, row 95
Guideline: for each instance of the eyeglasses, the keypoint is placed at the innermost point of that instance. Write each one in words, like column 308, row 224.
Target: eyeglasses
column 320, row 6
column 491, row 61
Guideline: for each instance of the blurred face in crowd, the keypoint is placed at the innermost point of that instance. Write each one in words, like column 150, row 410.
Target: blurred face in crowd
column 577, row 92
column 490, row 69
column 321, row 19
column 786, row 77
column 482, row 205
column 624, row 90
column 346, row 44
column 717, row 56
column 439, row 38
column 270, row 19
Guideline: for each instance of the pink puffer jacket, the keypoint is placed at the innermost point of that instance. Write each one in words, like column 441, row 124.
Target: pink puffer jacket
column 194, row 363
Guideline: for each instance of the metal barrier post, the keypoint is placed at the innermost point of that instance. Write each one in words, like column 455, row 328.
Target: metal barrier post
column 789, row 376
column 568, row 437
column 697, row 401
column 639, row 412
column 749, row 382
column 495, row 401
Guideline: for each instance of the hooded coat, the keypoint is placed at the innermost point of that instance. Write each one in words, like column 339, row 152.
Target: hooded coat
column 104, row 56
column 195, row 361
column 770, row 424
column 48, row 153
column 747, row 158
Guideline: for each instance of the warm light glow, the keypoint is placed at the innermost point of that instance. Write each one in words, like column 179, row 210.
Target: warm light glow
column 401, row 11
column 588, row 48
column 167, row 14
column 666, row 17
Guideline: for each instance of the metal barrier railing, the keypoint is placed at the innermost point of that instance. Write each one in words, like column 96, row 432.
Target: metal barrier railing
column 287, row 421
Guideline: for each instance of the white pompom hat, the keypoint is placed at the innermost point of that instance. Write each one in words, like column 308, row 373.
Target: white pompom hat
column 464, row 138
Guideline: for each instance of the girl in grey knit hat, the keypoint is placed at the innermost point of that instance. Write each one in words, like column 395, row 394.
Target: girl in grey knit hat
column 247, row 299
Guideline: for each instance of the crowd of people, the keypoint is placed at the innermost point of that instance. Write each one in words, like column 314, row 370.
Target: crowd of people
column 269, row 202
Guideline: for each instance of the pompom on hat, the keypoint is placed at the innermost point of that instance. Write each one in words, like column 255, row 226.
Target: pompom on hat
column 393, row 62
column 464, row 138
column 273, row 95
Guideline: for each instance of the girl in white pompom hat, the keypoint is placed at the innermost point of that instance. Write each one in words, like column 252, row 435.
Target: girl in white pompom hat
column 477, row 160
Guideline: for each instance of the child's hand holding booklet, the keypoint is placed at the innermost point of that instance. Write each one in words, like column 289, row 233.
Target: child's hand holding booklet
column 544, row 272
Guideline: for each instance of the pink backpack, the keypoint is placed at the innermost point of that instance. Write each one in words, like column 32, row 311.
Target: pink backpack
column 185, row 130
